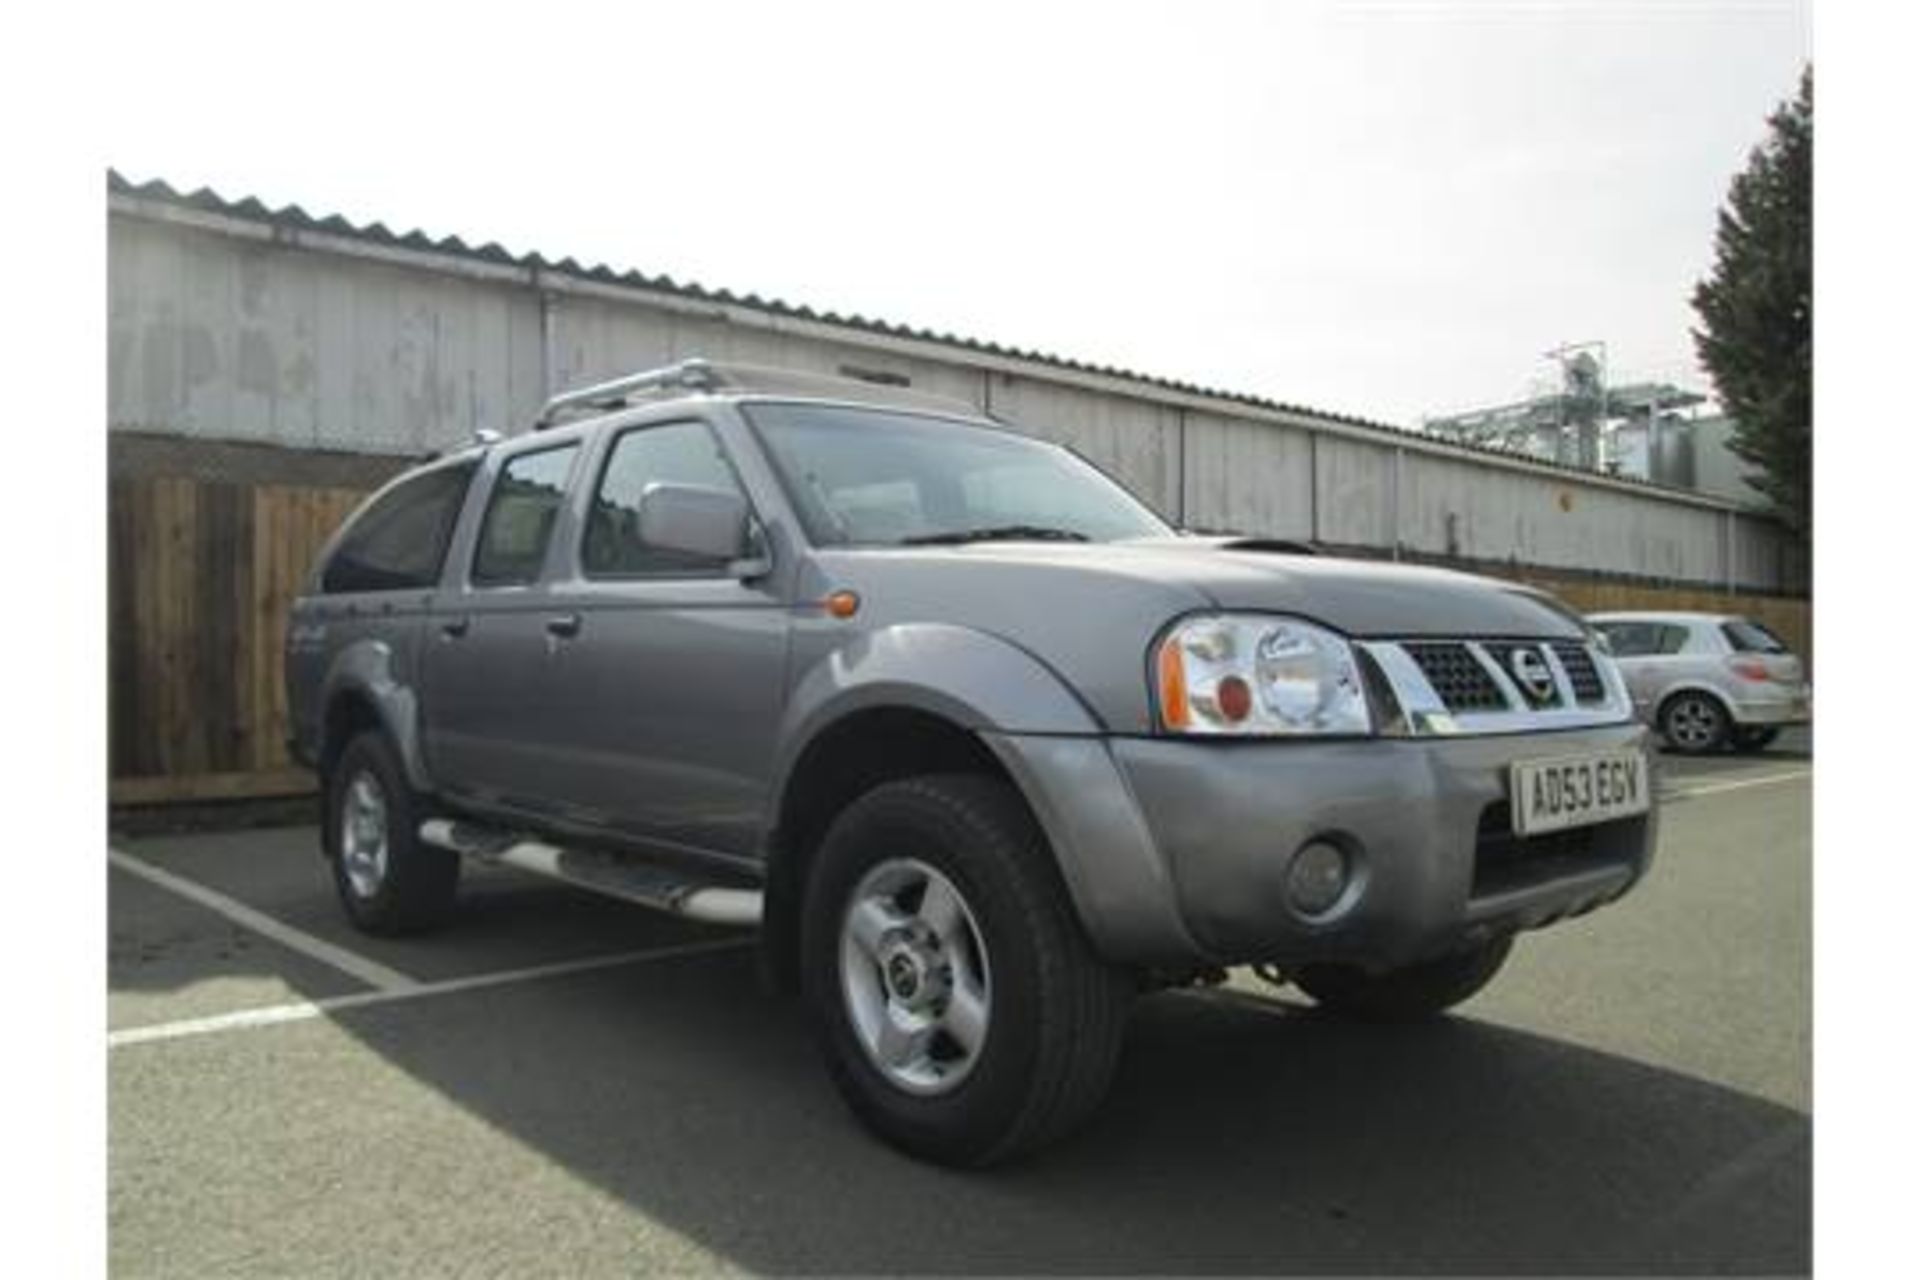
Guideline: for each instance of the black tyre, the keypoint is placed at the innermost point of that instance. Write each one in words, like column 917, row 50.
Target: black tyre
column 388, row 881
column 1417, row 991
column 1695, row 724
column 961, row 1010
column 1754, row 738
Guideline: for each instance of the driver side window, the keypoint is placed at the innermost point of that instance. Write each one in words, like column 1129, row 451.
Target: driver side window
column 682, row 453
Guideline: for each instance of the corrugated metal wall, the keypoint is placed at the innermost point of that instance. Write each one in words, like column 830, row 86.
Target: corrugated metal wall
column 224, row 330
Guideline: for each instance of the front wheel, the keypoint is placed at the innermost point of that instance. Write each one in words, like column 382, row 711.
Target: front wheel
column 1416, row 991
column 1694, row 724
column 962, row 1012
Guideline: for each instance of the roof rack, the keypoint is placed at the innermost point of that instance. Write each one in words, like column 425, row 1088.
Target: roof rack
column 697, row 375
column 617, row 393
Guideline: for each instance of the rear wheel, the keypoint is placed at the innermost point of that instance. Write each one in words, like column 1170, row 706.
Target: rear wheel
column 1754, row 738
column 962, row 1012
column 1694, row 723
column 388, row 881
column 1416, row 991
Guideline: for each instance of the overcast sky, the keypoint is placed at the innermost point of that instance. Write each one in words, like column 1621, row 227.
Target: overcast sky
column 1389, row 209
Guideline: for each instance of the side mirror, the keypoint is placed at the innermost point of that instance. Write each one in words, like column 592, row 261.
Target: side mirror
column 710, row 524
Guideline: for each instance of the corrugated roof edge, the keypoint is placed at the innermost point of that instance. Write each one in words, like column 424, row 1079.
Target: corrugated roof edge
column 207, row 200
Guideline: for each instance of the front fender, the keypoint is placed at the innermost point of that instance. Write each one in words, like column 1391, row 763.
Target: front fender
column 365, row 670
column 978, row 681
column 1051, row 744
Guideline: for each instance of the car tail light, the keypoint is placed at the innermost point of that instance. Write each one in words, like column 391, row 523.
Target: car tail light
column 1750, row 669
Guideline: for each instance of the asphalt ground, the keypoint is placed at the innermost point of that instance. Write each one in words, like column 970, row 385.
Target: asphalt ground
column 558, row 1084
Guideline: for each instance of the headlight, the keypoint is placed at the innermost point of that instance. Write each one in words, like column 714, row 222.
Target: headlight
column 1252, row 675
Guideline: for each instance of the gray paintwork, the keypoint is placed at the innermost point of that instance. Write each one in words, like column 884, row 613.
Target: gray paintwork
column 671, row 712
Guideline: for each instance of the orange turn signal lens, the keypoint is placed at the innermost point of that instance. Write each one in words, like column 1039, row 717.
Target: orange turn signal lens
column 843, row 604
column 1174, row 711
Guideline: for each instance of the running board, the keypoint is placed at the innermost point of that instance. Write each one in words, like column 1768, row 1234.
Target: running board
column 605, row 873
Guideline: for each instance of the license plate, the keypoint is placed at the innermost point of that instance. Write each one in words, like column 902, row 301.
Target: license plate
column 1574, row 791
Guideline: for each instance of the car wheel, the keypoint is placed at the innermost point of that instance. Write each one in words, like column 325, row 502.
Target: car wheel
column 963, row 1014
column 1694, row 723
column 1416, row 991
column 388, row 881
column 1757, row 738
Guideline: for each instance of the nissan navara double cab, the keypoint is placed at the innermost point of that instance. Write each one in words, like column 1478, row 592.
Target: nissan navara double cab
column 980, row 744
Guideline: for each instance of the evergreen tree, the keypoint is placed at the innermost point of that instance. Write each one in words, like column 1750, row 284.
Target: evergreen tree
column 1757, row 312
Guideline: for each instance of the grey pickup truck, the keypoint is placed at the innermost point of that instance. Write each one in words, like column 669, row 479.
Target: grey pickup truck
column 981, row 745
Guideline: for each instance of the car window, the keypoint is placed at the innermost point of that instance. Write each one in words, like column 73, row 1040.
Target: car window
column 1672, row 639
column 399, row 542
column 520, row 517
column 866, row 477
column 684, row 453
column 1627, row 639
column 1748, row 636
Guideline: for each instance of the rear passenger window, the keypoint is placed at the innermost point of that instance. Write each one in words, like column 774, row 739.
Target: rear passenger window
column 1628, row 639
column 520, row 517
column 674, row 453
column 398, row 543
column 1748, row 636
column 1672, row 639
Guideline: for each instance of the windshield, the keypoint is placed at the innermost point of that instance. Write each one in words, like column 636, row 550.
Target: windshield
column 874, row 476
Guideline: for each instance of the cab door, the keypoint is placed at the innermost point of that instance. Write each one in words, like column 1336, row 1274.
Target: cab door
column 492, row 720
column 670, row 681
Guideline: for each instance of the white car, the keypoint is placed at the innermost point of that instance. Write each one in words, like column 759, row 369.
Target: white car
column 1708, row 681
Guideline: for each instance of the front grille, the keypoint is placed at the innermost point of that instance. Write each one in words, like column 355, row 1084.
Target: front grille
column 1456, row 676
column 1502, row 655
column 1580, row 670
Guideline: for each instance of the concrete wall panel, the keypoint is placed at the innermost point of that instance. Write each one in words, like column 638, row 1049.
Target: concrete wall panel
column 221, row 334
column 1248, row 477
column 1356, row 492
column 1138, row 443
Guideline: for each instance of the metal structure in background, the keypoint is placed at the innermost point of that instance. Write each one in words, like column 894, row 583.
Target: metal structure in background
column 1638, row 430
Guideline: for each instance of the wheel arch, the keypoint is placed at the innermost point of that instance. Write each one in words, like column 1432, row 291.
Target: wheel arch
column 1668, row 695
column 362, row 691
column 891, row 703
column 844, row 759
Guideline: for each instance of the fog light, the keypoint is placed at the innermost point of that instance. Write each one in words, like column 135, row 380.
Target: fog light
column 1317, row 878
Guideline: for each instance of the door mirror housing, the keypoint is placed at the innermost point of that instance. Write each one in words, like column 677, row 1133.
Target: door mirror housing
column 711, row 524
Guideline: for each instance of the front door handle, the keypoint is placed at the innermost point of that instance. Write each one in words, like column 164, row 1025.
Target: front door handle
column 565, row 625
column 454, row 628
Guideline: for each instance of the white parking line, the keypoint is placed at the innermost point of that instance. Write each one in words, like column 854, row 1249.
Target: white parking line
column 1714, row 788
column 371, row 972
column 301, row 1011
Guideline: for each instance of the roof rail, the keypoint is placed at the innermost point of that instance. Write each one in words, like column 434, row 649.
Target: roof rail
column 617, row 393
column 703, row 375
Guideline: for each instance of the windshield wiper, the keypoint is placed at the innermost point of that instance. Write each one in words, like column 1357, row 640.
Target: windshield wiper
column 996, row 533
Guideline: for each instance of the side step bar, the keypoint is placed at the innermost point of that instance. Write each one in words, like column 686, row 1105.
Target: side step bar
column 601, row 872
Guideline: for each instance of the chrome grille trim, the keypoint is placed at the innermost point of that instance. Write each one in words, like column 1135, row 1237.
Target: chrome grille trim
column 1458, row 675
column 1437, row 700
column 1583, row 673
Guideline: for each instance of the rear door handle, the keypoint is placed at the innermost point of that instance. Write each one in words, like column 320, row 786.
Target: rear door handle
column 454, row 628
column 565, row 625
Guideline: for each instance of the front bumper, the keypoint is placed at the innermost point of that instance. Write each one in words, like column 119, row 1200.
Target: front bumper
column 1176, row 851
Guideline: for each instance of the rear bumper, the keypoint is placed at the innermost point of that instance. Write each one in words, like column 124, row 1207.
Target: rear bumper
column 1788, row 709
column 1177, row 851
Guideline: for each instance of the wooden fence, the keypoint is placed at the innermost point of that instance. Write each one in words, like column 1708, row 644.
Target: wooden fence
column 200, row 575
